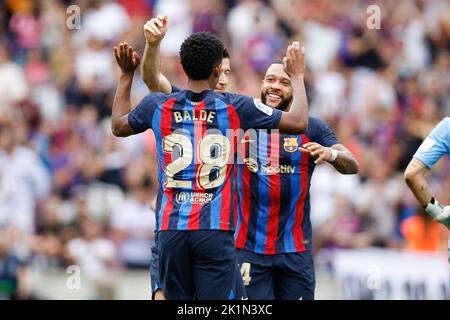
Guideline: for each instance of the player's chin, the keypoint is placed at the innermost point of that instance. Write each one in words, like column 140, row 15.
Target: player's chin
column 220, row 89
column 273, row 104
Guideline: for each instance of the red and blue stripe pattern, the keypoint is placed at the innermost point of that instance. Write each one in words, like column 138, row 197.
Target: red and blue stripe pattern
column 273, row 206
column 217, row 214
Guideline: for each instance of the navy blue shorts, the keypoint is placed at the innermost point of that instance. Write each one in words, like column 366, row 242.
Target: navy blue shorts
column 154, row 268
column 197, row 264
column 284, row 276
column 240, row 293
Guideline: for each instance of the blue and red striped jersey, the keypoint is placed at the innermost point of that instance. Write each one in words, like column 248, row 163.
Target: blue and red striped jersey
column 196, row 151
column 273, row 190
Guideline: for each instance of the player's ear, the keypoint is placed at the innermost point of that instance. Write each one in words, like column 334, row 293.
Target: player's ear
column 217, row 70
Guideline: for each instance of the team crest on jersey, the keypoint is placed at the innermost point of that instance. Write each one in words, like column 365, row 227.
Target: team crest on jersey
column 290, row 144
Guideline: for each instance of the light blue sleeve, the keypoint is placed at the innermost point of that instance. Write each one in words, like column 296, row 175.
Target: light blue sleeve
column 436, row 145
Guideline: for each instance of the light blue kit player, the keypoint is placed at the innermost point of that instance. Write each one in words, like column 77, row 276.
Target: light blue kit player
column 435, row 146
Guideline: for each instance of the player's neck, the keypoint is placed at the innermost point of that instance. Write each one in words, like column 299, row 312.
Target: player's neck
column 199, row 85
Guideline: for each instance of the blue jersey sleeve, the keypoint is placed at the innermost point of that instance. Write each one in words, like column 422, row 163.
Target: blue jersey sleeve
column 254, row 114
column 140, row 118
column 321, row 132
column 175, row 89
column 435, row 145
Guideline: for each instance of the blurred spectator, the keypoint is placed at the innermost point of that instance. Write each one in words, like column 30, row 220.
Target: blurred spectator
column 23, row 181
column 24, row 27
column 104, row 20
column 378, row 200
column 249, row 18
column 13, row 85
column 209, row 16
column 181, row 24
column 344, row 229
column 133, row 225
column 421, row 233
column 13, row 271
column 324, row 193
column 93, row 66
column 96, row 257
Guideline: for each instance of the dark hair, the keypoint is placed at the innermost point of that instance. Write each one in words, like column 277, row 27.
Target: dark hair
column 200, row 54
column 279, row 62
column 226, row 54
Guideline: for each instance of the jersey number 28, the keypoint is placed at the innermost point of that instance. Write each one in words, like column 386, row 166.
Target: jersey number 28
column 212, row 154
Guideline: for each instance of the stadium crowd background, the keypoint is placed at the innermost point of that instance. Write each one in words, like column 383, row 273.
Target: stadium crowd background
column 71, row 193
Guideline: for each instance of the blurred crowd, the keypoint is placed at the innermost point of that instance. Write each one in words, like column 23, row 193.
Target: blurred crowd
column 71, row 193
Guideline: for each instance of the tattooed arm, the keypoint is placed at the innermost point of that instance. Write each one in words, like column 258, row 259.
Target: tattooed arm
column 415, row 179
column 344, row 162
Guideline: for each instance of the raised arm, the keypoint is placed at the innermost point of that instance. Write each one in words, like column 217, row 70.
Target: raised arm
column 295, row 121
column 154, row 30
column 128, row 61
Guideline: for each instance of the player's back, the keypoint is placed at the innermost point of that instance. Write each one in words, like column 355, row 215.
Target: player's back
column 196, row 136
column 195, row 158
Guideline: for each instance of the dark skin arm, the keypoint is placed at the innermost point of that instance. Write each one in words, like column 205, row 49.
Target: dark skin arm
column 128, row 61
column 345, row 162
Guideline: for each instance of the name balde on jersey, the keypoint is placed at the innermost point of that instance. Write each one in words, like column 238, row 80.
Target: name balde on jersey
column 194, row 115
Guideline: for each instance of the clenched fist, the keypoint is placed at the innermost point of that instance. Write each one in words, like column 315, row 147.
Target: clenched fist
column 155, row 29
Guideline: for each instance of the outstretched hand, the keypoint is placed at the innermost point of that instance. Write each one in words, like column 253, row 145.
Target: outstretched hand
column 127, row 59
column 294, row 61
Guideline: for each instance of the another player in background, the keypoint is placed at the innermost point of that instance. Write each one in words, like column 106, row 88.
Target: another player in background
column 273, row 233
column 435, row 146
column 154, row 31
column 195, row 212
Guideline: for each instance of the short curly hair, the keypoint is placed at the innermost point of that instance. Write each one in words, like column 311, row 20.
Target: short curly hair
column 199, row 54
